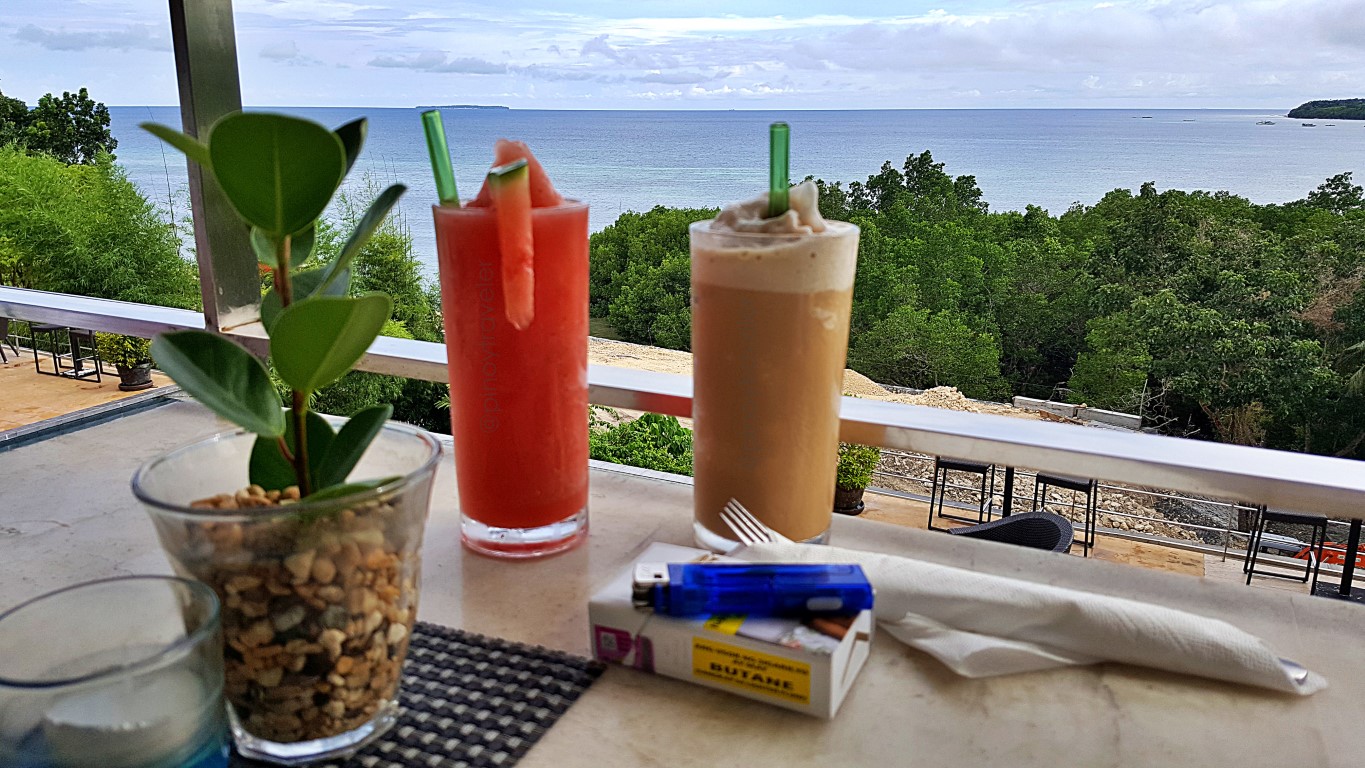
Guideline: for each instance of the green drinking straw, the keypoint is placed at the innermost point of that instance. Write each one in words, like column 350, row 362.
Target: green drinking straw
column 779, row 150
column 440, row 158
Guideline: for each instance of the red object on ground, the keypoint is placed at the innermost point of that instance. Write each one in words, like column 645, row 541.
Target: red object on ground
column 1332, row 554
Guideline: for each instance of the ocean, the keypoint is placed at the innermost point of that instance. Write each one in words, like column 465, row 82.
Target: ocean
column 621, row 161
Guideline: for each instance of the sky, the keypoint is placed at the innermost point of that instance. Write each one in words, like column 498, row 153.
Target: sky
column 695, row 54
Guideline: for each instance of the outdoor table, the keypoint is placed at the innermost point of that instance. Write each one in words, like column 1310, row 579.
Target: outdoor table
column 1345, row 589
column 50, row 332
column 906, row 708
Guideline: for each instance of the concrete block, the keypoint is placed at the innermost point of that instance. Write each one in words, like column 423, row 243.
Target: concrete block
column 1051, row 406
column 1114, row 418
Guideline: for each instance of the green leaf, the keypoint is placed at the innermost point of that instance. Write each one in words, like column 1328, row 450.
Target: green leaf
column 227, row 379
column 272, row 471
column 352, row 137
column 278, row 172
column 315, row 342
column 349, row 489
column 305, row 284
column 300, row 247
column 373, row 217
column 192, row 147
column 264, row 247
column 268, row 467
column 350, row 444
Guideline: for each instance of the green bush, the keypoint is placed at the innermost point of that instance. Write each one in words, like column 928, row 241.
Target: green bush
column 651, row 442
column 86, row 230
column 856, row 463
column 123, row 351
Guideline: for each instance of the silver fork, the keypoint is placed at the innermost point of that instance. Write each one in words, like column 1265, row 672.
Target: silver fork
column 747, row 528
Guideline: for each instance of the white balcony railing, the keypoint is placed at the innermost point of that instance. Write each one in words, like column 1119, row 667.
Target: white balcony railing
column 1296, row 481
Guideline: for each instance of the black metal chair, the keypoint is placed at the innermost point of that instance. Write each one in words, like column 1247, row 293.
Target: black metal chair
column 1036, row 530
column 83, row 352
column 6, row 340
column 1078, row 485
column 1318, row 538
column 68, row 361
column 938, row 491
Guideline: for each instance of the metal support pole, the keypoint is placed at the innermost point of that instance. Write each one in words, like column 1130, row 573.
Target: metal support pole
column 206, row 70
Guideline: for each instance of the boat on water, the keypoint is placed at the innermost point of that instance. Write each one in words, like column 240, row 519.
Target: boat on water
column 1310, row 125
column 1265, row 122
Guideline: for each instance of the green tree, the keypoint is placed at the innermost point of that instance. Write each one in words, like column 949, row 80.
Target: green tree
column 13, row 118
column 913, row 347
column 73, row 128
column 654, row 305
column 647, row 239
column 1338, row 195
column 1112, row 371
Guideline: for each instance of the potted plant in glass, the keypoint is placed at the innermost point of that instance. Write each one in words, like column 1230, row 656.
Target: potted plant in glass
column 130, row 355
column 854, row 473
column 308, row 529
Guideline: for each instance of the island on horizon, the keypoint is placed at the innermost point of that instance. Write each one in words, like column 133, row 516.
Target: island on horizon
column 464, row 106
column 1338, row 109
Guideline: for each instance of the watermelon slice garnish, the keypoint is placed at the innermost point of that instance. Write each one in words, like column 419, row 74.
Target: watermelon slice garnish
column 509, row 190
column 543, row 194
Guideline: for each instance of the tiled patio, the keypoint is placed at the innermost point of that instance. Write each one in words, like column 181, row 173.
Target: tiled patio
column 28, row 397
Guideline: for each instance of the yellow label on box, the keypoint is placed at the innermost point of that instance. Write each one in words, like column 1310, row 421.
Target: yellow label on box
column 724, row 623
column 747, row 670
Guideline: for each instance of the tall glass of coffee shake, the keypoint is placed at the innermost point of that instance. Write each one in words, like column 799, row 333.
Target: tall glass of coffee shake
column 770, row 309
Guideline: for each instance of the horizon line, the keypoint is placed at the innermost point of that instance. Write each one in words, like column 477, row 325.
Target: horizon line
column 502, row 107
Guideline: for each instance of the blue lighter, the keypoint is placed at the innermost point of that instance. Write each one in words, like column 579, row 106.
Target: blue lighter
column 690, row 589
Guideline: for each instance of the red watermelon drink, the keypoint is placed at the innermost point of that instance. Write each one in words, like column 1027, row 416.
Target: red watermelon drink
column 514, row 289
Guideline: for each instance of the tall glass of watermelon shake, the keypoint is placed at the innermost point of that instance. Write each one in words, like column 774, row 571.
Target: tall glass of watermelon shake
column 514, row 290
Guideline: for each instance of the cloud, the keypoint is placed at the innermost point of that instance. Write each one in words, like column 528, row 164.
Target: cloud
column 436, row 61
column 675, row 78
column 560, row 74
column 282, row 50
column 133, row 36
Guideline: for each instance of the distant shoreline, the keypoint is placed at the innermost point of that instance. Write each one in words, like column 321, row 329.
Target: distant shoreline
column 1330, row 109
column 463, row 106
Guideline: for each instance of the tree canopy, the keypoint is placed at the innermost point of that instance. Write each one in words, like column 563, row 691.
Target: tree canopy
column 72, row 128
column 1206, row 313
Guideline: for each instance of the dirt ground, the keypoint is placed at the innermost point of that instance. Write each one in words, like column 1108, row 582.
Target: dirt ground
column 623, row 355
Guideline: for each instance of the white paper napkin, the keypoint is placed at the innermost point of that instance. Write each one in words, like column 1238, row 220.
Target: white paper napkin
column 981, row 625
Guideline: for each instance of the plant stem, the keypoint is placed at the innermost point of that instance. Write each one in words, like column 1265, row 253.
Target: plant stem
column 299, row 412
column 283, row 286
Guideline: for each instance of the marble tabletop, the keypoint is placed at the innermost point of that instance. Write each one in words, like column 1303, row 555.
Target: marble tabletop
column 906, row 708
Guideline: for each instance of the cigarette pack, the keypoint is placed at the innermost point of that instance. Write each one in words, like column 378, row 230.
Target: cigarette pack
column 808, row 666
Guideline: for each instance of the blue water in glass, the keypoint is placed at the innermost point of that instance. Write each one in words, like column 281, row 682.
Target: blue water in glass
column 212, row 751
column 634, row 160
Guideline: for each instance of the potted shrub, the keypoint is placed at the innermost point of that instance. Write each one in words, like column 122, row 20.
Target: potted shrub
column 856, row 463
column 309, row 529
column 130, row 355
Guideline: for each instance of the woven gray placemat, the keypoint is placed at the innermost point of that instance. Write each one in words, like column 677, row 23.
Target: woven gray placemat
column 470, row 701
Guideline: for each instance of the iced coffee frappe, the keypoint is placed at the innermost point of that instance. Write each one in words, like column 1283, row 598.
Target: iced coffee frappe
column 770, row 311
